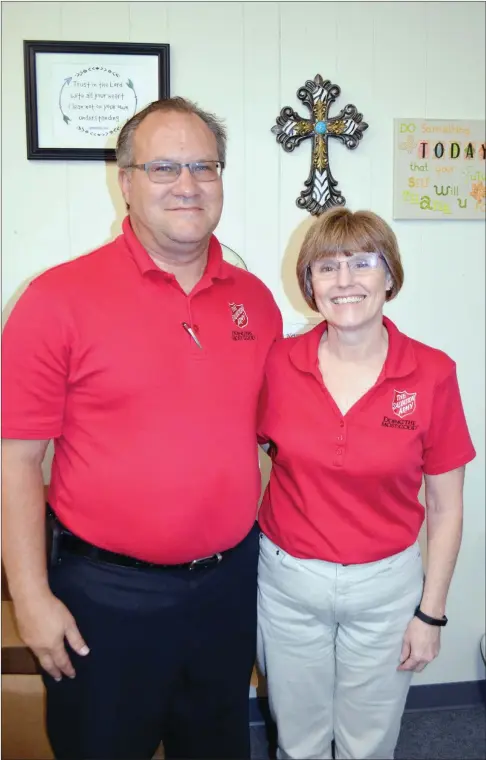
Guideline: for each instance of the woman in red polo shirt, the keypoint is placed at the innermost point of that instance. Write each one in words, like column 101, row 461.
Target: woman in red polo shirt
column 357, row 414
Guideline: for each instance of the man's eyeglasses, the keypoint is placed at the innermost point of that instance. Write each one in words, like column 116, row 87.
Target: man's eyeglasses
column 358, row 264
column 165, row 172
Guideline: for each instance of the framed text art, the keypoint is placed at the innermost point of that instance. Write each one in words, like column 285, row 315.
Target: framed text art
column 78, row 95
column 439, row 169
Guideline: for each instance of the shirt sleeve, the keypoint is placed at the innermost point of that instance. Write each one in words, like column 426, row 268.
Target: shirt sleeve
column 268, row 407
column 263, row 413
column 279, row 324
column 448, row 444
column 35, row 365
column 264, row 398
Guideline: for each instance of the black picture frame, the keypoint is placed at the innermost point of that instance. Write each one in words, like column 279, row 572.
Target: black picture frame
column 34, row 48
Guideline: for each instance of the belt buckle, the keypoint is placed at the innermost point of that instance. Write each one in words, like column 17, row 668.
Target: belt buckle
column 204, row 561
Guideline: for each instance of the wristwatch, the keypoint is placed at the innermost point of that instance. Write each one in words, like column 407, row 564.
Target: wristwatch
column 427, row 619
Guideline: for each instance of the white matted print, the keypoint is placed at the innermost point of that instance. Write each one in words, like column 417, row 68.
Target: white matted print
column 79, row 95
column 439, row 169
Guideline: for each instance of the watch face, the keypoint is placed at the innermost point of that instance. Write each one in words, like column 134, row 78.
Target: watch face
column 232, row 258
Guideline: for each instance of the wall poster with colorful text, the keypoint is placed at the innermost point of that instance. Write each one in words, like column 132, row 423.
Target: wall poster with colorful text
column 439, row 169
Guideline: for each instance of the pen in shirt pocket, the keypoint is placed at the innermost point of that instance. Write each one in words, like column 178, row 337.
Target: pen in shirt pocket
column 191, row 332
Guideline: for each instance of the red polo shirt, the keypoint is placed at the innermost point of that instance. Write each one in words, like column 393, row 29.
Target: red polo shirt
column 155, row 438
column 344, row 488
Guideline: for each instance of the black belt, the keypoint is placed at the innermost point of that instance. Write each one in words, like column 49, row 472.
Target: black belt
column 75, row 545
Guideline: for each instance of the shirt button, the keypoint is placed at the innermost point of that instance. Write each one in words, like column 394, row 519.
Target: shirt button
column 340, row 438
column 342, row 423
column 339, row 451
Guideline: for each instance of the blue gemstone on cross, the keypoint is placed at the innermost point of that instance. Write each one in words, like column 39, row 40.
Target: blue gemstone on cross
column 320, row 127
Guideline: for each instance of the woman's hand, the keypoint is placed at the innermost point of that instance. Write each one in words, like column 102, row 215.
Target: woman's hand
column 421, row 645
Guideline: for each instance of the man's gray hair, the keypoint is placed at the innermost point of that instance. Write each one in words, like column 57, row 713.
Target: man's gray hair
column 124, row 145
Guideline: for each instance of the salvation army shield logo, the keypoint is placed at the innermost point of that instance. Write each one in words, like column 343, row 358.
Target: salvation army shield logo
column 403, row 403
column 239, row 315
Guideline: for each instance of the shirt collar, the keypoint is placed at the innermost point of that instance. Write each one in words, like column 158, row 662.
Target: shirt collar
column 400, row 360
column 216, row 267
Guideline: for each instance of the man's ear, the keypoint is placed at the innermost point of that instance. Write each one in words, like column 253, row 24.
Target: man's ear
column 124, row 180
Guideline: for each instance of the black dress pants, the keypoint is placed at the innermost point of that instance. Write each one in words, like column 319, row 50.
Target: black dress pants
column 172, row 652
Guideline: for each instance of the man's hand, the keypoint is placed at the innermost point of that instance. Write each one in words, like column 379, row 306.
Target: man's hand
column 421, row 645
column 43, row 625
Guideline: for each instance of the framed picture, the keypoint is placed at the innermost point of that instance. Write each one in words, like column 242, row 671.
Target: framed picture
column 232, row 257
column 439, row 169
column 78, row 95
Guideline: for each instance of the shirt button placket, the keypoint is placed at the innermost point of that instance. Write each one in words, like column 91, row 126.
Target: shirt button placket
column 339, row 451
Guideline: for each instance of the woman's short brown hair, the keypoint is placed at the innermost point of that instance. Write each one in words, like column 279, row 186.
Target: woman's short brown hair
column 340, row 231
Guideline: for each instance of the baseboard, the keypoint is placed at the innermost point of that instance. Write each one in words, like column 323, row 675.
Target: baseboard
column 434, row 696
column 443, row 696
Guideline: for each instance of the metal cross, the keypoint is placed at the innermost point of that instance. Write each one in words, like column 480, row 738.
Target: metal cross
column 291, row 129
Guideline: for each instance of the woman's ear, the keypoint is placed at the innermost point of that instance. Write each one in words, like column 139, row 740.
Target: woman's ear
column 309, row 290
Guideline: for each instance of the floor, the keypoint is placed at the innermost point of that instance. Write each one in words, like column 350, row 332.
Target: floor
column 437, row 735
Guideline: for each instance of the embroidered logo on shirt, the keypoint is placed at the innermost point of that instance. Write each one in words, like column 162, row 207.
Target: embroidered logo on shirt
column 238, row 314
column 399, row 424
column 403, row 403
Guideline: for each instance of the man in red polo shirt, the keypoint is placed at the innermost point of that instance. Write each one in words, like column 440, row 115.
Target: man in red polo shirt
column 143, row 362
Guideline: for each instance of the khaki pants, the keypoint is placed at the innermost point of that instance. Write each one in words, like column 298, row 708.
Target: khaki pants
column 329, row 642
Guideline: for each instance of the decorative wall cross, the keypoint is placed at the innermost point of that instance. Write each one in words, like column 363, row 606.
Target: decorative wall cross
column 291, row 129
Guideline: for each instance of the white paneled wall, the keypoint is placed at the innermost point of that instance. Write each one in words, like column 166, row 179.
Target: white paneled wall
column 245, row 61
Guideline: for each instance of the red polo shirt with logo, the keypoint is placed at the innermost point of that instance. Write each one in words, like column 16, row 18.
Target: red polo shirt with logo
column 155, row 436
column 344, row 488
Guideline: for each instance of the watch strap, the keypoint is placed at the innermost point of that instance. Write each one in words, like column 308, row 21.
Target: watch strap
column 429, row 620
